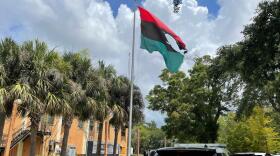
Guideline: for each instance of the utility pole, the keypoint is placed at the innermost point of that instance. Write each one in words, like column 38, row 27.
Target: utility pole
column 106, row 139
column 164, row 141
column 138, row 141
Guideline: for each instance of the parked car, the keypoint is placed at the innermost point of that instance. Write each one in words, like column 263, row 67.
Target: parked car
column 220, row 149
column 180, row 151
column 251, row 154
column 191, row 150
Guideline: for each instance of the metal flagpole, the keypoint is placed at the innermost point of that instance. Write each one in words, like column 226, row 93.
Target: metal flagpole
column 131, row 88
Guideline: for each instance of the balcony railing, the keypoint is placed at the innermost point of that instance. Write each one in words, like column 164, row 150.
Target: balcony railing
column 22, row 132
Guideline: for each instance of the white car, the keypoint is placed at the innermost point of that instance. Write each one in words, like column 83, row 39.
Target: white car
column 251, row 154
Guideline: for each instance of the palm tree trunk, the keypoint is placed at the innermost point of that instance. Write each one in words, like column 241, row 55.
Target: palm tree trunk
column 67, row 126
column 33, row 128
column 2, row 123
column 100, row 131
column 115, row 141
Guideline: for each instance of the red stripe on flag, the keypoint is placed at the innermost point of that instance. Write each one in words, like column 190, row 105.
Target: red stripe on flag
column 148, row 17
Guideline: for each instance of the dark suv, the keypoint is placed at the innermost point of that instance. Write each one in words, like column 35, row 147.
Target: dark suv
column 181, row 151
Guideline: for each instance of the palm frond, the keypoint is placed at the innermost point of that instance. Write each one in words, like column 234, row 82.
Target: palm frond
column 42, row 87
column 7, row 48
column 96, row 87
column 102, row 111
column 66, row 108
column 3, row 98
column 3, row 75
column 21, row 91
column 80, row 65
column 91, row 105
column 119, row 116
column 30, row 102
column 107, row 72
column 53, row 104
column 56, row 61
column 87, row 109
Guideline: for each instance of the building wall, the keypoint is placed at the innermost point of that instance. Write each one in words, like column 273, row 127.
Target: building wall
column 78, row 137
column 55, row 129
column 16, row 126
column 122, row 139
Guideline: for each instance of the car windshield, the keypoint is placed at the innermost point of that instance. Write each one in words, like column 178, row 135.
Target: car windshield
column 246, row 155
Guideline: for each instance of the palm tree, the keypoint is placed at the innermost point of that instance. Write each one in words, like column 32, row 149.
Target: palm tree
column 32, row 72
column 120, row 95
column 75, row 98
column 108, row 74
column 3, row 95
column 103, row 111
column 118, row 121
column 36, row 80
column 138, row 106
column 80, row 105
column 118, row 92
column 9, row 71
column 97, row 87
column 13, row 61
column 138, row 103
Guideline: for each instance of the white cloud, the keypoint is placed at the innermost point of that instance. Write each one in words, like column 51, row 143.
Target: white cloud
column 77, row 24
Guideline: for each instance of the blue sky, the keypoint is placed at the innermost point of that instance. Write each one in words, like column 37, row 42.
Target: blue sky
column 212, row 5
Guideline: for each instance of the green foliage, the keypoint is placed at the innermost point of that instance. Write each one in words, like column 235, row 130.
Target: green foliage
column 193, row 103
column 120, row 94
column 255, row 133
column 10, row 66
column 261, row 46
column 120, row 117
column 151, row 137
column 254, row 61
column 275, row 116
column 243, row 75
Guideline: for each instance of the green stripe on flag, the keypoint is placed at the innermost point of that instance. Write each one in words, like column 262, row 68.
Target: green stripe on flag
column 173, row 60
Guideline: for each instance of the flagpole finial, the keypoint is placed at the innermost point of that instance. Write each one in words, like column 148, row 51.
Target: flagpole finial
column 177, row 4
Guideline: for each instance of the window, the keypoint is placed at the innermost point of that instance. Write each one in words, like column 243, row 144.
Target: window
column 91, row 124
column 50, row 120
column 80, row 124
column 71, row 151
column 123, row 134
column 97, row 127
